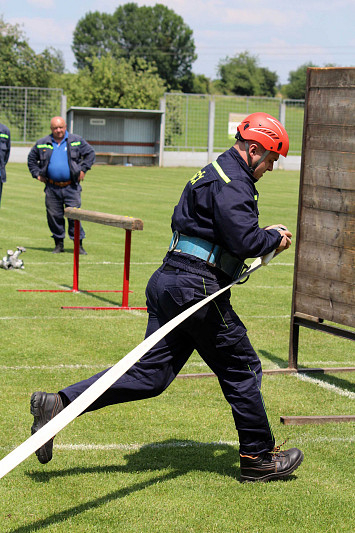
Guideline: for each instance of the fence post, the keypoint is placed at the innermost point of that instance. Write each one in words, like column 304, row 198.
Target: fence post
column 211, row 119
column 63, row 106
column 162, row 130
column 282, row 117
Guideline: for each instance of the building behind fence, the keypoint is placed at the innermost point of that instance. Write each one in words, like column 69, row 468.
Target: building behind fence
column 195, row 127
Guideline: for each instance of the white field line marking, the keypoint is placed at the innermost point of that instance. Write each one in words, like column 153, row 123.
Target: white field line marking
column 54, row 367
column 325, row 385
column 114, row 263
column 93, row 263
column 117, row 317
column 103, row 366
column 182, row 444
column 328, row 363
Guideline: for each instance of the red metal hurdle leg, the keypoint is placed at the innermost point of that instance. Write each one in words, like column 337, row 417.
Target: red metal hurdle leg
column 127, row 261
column 76, row 255
column 129, row 224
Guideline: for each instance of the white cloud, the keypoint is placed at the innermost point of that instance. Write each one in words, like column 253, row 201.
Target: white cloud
column 45, row 32
column 43, row 4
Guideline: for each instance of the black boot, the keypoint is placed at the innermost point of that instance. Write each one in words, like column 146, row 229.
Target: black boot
column 270, row 465
column 44, row 407
column 59, row 246
column 81, row 249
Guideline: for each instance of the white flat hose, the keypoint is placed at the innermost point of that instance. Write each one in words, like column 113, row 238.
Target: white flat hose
column 75, row 408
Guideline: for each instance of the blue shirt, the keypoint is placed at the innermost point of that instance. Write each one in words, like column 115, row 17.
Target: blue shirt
column 58, row 168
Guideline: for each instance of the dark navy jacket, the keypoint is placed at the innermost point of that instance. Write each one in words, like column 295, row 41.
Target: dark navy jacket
column 81, row 156
column 223, row 210
column 4, row 150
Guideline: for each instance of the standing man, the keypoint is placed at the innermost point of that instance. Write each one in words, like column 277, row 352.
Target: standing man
column 216, row 228
column 61, row 160
column 4, row 153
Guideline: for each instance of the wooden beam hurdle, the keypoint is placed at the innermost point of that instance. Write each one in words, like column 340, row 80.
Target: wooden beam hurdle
column 129, row 224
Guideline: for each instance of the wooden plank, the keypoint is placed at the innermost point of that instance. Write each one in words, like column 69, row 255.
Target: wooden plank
column 324, row 308
column 329, row 199
column 331, row 106
column 342, row 139
column 326, row 261
column 327, row 176
column 325, row 288
column 107, row 219
column 326, row 227
column 331, row 77
column 308, row 317
column 325, row 160
column 301, row 420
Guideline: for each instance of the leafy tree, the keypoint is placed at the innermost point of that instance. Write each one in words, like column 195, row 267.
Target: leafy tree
column 242, row 75
column 268, row 82
column 156, row 34
column 296, row 88
column 112, row 83
column 20, row 65
column 92, row 39
column 201, row 84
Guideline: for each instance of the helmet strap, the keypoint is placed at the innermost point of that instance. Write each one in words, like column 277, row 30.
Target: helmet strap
column 255, row 166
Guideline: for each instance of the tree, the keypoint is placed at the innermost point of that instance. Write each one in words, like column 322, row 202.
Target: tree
column 156, row 34
column 201, row 84
column 268, row 82
column 113, row 83
column 20, row 65
column 296, row 88
column 242, row 75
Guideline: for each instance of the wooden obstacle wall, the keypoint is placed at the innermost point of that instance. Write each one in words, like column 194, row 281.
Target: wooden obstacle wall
column 324, row 282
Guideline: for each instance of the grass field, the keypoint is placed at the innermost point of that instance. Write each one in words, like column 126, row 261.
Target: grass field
column 169, row 464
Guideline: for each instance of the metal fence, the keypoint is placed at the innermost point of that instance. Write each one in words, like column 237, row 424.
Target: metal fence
column 202, row 122
column 27, row 111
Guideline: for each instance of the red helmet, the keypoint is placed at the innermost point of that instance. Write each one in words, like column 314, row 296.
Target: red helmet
column 266, row 130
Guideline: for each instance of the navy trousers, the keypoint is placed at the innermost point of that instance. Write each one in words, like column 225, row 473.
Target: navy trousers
column 57, row 198
column 220, row 338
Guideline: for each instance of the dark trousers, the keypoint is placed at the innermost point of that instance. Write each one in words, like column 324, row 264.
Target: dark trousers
column 57, row 198
column 219, row 336
column 0, row 191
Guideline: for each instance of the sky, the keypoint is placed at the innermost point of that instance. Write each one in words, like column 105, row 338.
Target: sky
column 282, row 35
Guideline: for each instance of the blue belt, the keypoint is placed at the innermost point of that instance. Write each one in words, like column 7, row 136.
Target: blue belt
column 213, row 254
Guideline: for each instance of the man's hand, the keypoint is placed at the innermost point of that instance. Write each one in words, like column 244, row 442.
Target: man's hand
column 286, row 237
column 42, row 179
column 81, row 175
column 285, row 241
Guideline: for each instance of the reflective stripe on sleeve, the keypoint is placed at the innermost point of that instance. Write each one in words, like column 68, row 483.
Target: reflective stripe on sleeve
column 220, row 172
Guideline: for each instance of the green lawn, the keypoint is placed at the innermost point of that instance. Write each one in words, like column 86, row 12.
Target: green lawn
column 168, row 464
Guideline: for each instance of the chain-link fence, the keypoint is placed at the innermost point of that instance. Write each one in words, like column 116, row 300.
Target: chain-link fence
column 208, row 122
column 27, row 111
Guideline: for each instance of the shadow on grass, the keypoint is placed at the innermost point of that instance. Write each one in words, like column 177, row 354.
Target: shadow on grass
column 50, row 249
column 332, row 380
column 176, row 457
column 276, row 360
column 327, row 378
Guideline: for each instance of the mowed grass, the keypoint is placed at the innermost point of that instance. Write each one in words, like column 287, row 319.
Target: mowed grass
column 169, row 464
